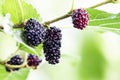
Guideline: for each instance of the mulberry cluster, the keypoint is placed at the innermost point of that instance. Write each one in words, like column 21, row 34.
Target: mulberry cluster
column 33, row 32
column 33, row 60
column 80, row 18
column 15, row 60
column 52, row 44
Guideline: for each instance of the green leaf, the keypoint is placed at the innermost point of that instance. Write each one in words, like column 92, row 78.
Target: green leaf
column 1, row 2
column 39, row 49
column 93, row 62
column 109, row 22
column 98, row 14
column 22, row 74
column 8, row 45
column 27, row 48
column 103, row 19
column 18, row 35
column 118, row 15
column 103, row 29
column 19, row 10
column 29, row 11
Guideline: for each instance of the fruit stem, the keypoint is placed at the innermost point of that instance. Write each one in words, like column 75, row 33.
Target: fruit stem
column 47, row 23
column 2, row 63
column 12, row 66
column 100, row 4
column 15, row 66
column 72, row 6
column 57, row 19
column 19, row 25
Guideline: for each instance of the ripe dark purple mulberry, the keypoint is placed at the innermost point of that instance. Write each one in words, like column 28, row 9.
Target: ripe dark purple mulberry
column 33, row 60
column 15, row 60
column 80, row 18
column 52, row 44
column 33, row 32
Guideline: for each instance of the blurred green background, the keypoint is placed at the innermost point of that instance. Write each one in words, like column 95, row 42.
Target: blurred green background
column 86, row 54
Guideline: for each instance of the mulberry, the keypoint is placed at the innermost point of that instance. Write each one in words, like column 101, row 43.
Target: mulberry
column 80, row 18
column 15, row 60
column 33, row 32
column 33, row 60
column 52, row 44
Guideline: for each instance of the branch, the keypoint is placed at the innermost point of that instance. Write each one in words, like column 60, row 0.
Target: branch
column 57, row 19
column 19, row 25
column 100, row 4
column 15, row 66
